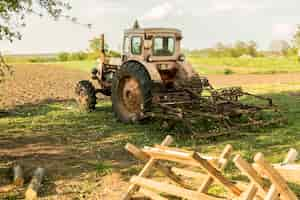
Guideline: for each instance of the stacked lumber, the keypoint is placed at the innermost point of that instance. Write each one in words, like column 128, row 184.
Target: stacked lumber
column 266, row 181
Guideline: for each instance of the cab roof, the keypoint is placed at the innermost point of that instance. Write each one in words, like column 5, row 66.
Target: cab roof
column 153, row 30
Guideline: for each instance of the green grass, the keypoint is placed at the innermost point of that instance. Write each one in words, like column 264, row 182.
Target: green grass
column 205, row 66
column 245, row 65
column 85, row 65
column 225, row 66
column 100, row 132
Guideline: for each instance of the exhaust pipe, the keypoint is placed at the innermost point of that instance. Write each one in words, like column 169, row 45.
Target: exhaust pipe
column 102, row 48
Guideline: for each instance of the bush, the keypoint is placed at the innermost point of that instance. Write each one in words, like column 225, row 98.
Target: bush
column 42, row 59
column 63, row 56
column 228, row 72
column 78, row 56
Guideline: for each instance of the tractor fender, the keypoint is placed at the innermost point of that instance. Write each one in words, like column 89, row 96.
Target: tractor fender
column 150, row 68
column 186, row 71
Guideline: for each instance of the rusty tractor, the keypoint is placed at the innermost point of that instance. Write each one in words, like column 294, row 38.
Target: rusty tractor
column 152, row 79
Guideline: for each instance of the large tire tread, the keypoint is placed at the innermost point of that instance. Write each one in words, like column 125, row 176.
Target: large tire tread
column 137, row 71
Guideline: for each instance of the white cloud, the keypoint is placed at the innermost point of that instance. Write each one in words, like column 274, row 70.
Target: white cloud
column 283, row 30
column 159, row 12
column 235, row 6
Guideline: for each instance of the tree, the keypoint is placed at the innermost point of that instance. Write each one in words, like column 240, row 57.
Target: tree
column 95, row 45
column 13, row 15
column 252, row 48
column 279, row 46
column 297, row 38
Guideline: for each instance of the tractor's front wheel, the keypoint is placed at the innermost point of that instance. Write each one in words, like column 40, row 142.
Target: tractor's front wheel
column 85, row 96
column 131, row 92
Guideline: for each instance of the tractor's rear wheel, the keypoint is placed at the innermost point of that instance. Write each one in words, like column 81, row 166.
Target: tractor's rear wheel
column 131, row 92
column 85, row 96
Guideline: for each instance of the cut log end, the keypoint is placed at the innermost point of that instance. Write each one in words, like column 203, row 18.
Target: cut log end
column 35, row 184
column 18, row 176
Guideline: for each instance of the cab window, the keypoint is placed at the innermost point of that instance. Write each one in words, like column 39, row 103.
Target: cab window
column 136, row 45
column 126, row 45
column 164, row 46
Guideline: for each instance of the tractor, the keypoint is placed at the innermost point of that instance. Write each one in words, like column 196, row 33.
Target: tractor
column 153, row 79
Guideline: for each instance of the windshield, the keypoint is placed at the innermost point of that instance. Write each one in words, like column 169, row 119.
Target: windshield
column 163, row 46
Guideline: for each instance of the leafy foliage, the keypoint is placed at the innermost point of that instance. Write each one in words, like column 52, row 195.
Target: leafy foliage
column 95, row 45
column 4, row 68
column 279, row 46
column 13, row 14
column 297, row 38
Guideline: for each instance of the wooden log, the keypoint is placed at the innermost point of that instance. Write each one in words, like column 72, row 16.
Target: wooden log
column 291, row 156
column 146, row 170
column 275, row 178
column 250, row 193
column 151, row 195
column 171, row 189
column 18, row 179
column 220, row 165
column 217, row 175
column 35, row 184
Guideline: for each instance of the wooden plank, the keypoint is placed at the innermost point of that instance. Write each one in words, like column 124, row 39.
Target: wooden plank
column 213, row 160
column 275, row 178
column 220, row 165
column 217, row 175
column 290, row 172
column 170, row 189
column 273, row 194
column 165, row 170
column 189, row 173
column 151, row 195
column 250, row 172
column 250, row 193
column 146, row 170
column 291, row 156
column 175, row 156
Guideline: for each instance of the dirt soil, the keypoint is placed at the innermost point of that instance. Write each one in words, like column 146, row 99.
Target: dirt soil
column 66, row 157
column 32, row 84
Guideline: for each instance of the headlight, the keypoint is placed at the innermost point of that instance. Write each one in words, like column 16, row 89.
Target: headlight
column 149, row 59
column 181, row 58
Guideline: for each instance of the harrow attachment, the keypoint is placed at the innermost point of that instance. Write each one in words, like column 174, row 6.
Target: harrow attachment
column 200, row 107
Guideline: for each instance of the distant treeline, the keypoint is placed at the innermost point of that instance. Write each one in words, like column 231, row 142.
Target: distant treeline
column 60, row 57
column 244, row 49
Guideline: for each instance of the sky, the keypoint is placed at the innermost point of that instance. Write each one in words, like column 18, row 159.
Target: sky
column 203, row 22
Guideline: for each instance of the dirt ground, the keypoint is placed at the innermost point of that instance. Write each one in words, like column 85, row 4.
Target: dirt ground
column 66, row 156
column 32, row 84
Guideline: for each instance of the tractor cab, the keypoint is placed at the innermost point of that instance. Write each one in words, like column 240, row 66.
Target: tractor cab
column 152, row 44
